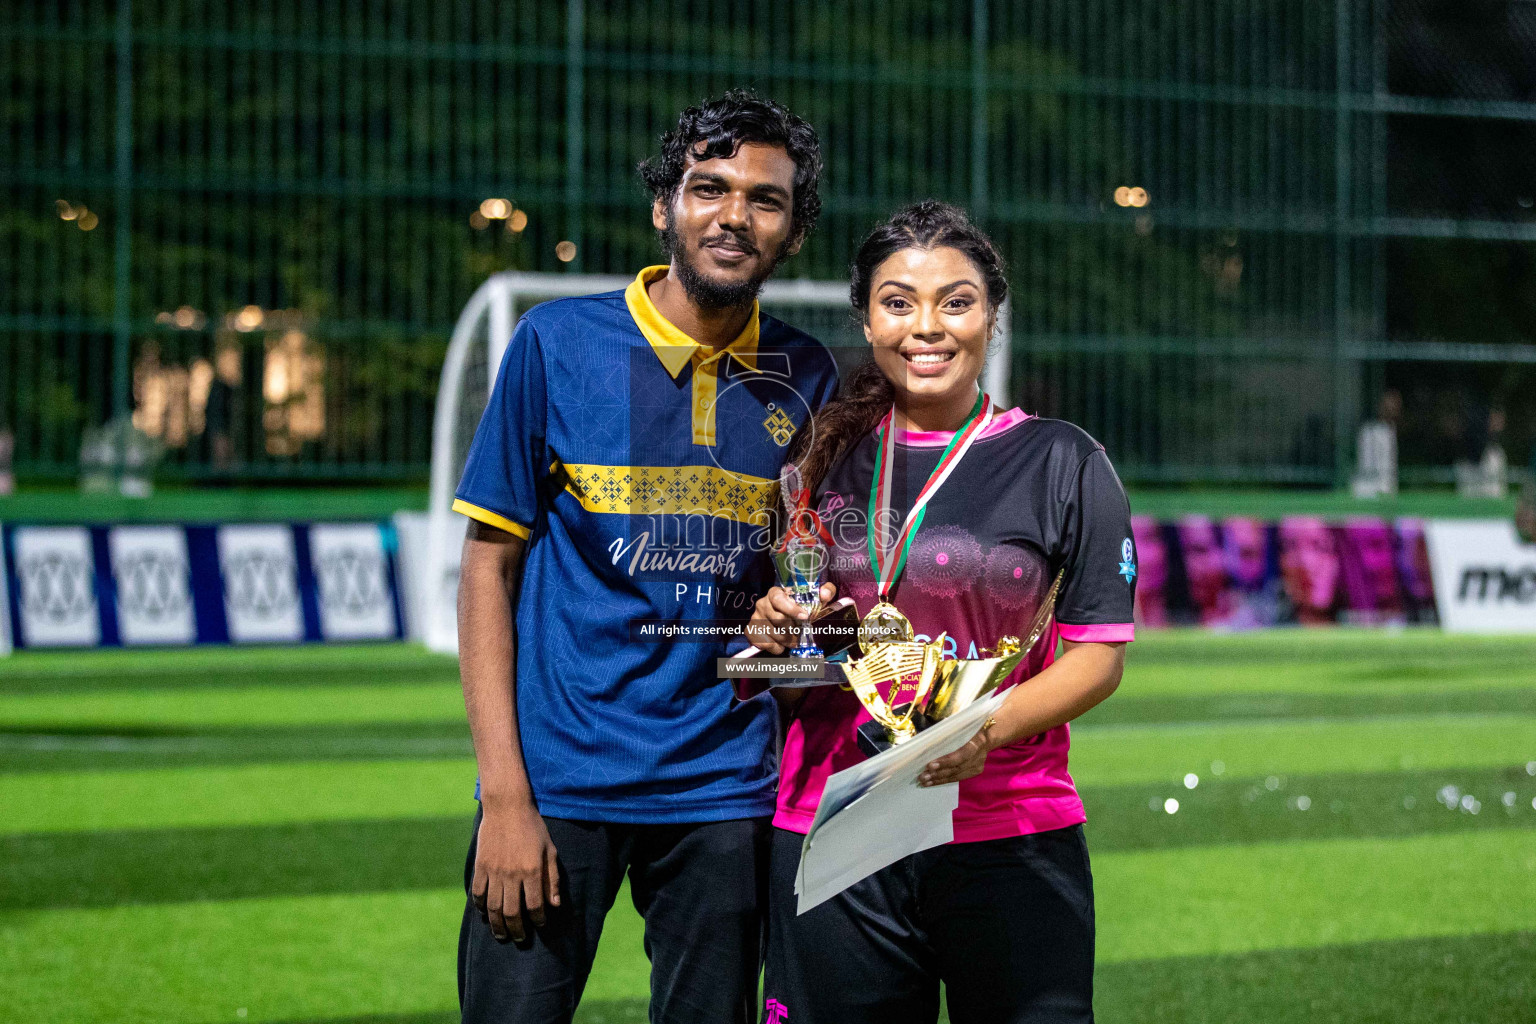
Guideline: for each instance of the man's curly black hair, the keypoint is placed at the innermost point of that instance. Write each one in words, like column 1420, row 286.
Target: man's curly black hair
column 724, row 123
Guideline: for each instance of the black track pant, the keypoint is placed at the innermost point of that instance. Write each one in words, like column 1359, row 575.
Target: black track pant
column 699, row 888
column 1005, row 924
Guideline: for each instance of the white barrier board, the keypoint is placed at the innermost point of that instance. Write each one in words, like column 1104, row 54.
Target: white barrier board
column 154, row 589
column 1485, row 576
column 56, row 587
column 261, row 587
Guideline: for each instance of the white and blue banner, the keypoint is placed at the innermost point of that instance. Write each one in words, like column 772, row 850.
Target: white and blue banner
column 175, row 585
column 261, row 584
column 352, row 581
column 153, row 584
column 53, row 586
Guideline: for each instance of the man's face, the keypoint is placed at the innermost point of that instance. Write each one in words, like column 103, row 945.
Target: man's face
column 1245, row 551
column 728, row 225
column 1309, row 562
column 1202, row 561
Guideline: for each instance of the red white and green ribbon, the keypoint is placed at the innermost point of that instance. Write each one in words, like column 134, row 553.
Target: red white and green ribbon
column 888, row 561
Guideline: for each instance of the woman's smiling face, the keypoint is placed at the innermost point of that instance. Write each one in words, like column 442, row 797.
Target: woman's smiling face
column 929, row 323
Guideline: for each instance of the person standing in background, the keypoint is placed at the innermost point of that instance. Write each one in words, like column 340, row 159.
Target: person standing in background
column 1376, row 459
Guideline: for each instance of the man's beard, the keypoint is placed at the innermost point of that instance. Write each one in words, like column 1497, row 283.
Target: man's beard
column 707, row 293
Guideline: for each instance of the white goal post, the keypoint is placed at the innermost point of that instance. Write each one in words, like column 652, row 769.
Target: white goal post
column 430, row 545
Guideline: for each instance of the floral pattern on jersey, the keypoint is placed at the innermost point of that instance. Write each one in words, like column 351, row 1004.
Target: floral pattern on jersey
column 945, row 561
column 1013, row 576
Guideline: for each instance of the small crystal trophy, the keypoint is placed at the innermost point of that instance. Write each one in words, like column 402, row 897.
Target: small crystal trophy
column 802, row 555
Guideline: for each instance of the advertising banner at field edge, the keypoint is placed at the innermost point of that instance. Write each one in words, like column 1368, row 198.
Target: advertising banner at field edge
column 1485, row 576
column 171, row 585
column 352, row 576
column 261, row 584
column 1242, row 573
column 5, row 600
column 55, row 584
column 153, row 585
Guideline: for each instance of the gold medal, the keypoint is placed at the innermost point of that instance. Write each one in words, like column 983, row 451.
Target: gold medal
column 883, row 624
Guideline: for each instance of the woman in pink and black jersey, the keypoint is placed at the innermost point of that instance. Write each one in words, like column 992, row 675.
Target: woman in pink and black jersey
column 1003, row 916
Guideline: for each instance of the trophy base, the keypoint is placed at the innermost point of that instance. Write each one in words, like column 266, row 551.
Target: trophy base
column 874, row 738
column 806, row 650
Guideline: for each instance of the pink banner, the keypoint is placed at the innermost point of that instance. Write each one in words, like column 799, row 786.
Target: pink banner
column 1241, row 573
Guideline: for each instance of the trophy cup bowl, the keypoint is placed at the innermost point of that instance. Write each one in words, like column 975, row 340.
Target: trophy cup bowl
column 942, row 687
column 938, row 687
column 962, row 683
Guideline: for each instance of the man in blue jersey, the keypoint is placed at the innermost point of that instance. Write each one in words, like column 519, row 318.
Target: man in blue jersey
column 619, row 483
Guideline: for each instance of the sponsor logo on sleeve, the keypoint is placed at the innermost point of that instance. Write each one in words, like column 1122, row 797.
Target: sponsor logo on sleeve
column 1128, row 560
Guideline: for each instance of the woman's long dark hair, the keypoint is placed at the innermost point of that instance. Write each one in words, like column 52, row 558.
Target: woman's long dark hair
column 866, row 395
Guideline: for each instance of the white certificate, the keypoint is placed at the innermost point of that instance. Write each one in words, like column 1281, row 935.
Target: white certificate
column 875, row 813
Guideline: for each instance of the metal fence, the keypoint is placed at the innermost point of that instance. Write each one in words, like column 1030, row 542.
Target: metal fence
column 1231, row 224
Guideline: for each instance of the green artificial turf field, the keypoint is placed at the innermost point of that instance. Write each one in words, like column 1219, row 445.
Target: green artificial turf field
column 278, row 835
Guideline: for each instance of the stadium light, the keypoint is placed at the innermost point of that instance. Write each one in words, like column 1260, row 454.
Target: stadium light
column 495, row 209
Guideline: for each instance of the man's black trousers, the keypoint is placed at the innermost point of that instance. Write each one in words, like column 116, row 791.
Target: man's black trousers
column 700, row 889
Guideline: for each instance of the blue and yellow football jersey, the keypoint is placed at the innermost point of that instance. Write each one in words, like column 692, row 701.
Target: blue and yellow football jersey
column 641, row 468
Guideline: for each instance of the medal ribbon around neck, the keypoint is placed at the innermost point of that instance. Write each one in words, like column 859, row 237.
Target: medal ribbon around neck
column 888, row 563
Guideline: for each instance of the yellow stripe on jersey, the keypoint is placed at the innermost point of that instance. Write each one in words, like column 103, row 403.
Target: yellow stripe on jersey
column 673, row 490
column 490, row 518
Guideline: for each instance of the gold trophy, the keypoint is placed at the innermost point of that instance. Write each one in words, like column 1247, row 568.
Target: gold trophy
column 907, row 685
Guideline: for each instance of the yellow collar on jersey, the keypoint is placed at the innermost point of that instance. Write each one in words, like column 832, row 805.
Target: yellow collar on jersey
column 677, row 350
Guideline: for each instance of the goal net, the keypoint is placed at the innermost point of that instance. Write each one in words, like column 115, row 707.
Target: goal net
column 431, row 544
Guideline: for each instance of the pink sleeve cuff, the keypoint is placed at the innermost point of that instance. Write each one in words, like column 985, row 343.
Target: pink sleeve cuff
column 748, row 687
column 1112, row 633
